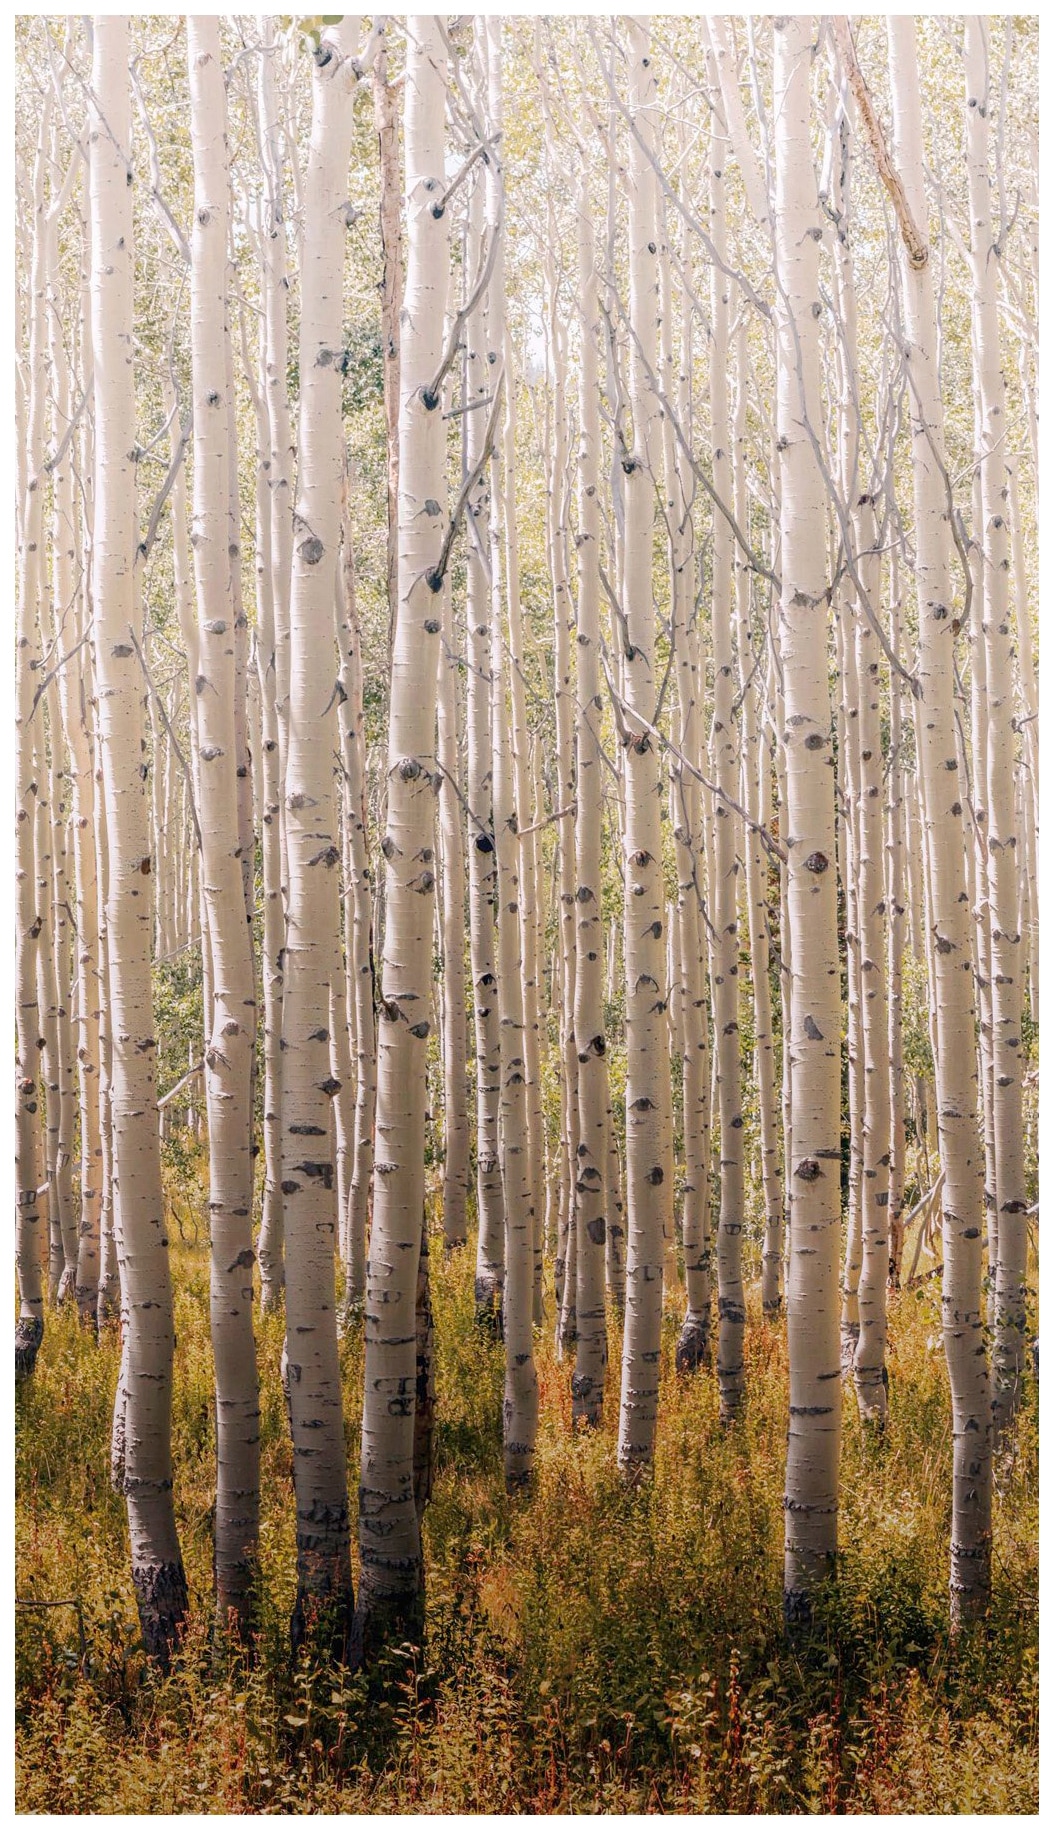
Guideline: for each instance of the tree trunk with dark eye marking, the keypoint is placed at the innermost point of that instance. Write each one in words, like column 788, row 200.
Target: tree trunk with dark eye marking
column 813, row 1165
column 649, row 1144
column 947, row 914
column 393, row 1478
column 308, row 1185
column 139, row 1218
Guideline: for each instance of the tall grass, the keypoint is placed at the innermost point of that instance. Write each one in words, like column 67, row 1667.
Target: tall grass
column 588, row 1648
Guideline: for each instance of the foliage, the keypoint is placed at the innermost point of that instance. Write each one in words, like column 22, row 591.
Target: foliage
column 589, row 1649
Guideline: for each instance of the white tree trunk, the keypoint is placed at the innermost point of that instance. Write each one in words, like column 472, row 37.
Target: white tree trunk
column 649, row 1150
column 230, row 1023
column 813, row 1164
column 313, row 854
column 157, row 1567
column 392, row 1578
column 953, row 1012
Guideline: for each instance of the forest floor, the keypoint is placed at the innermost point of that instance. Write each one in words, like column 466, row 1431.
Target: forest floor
column 588, row 1649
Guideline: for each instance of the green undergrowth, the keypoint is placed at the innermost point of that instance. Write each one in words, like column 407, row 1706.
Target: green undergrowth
column 588, row 1648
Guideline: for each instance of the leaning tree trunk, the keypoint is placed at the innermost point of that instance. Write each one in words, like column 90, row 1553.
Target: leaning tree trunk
column 391, row 1590
column 813, row 1164
column 157, row 1566
column 313, row 850
column 955, row 1054
column 230, row 1025
column 649, row 1151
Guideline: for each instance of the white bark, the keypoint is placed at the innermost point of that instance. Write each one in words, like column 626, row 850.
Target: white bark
column 948, row 917
column 649, row 1152
column 391, row 1582
column 813, row 1182
column 157, row 1568
column 230, row 1023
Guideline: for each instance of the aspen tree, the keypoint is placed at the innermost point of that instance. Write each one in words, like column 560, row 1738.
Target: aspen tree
column 456, row 1141
column 591, row 1190
column 313, row 852
column 83, row 1259
column 1002, row 826
column 275, row 655
column 29, row 1233
column 520, row 1409
column 391, row 1580
column 649, row 1154
column 230, row 1024
column 157, row 1567
column 359, row 936
column 724, row 764
column 391, row 289
column 813, row 1187
column 268, row 1249
column 756, row 793
column 476, row 387
column 863, row 748
column 953, row 1014
column 527, row 846
column 869, row 1368
column 691, row 1031
column 895, row 930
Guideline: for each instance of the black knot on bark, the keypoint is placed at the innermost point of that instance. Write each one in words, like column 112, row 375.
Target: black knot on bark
column 808, row 1170
column 816, row 862
column 655, row 1176
column 409, row 768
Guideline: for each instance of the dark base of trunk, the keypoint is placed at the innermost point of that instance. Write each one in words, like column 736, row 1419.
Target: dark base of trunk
column 161, row 1597
column 587, row 1402
column 387, row 1624
column 29, row 1332
column 693, row 1345
column 489, row 1308
column 324, row 1623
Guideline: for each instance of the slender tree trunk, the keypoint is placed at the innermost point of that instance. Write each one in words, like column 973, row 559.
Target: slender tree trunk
column 476, row 388
column 29, row 1232
column 649, row 1152
column 587, row 1386
column 955, row 1055
column 391, row 1589
column 313, row 853
column 813, row 1182
column 157, row 1566
column 724, row 764
column 1007, row 953
column 230, row 1024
